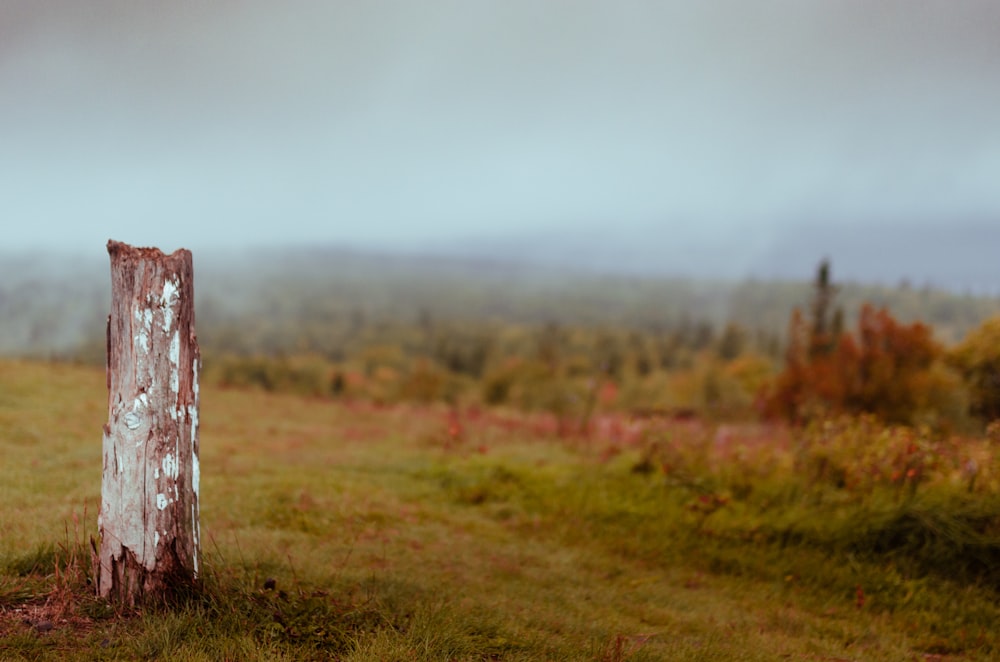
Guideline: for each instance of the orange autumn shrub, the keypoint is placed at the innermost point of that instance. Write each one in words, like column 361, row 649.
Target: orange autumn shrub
column 977, row 357
column 885, row 368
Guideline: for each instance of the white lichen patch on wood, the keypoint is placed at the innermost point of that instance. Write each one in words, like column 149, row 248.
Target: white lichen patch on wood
column 196, row 529
column 167, row 302
column 195, row 473
column 132, row 420
column 175, row 357
column 144, row 318
column 171, row 467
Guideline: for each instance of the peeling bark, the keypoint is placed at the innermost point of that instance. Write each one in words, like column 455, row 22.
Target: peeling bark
column 149, row 519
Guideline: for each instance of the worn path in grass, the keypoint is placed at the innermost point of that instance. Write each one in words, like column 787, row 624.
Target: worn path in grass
column 388, row 533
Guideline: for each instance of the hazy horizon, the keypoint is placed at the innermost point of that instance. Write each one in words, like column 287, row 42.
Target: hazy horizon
column 470, row 126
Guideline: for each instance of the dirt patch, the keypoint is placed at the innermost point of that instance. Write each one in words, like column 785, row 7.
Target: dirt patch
column 45, row 616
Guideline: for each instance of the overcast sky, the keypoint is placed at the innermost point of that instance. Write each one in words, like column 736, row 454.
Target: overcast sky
column 427, row 123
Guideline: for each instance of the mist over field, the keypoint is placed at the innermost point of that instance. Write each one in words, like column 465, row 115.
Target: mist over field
column 264, row 300
column 728, row 139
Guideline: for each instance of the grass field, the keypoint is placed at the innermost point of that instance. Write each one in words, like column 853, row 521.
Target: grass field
column 346, row 531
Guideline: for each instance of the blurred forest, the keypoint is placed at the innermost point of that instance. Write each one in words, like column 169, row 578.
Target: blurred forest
column 341, row 324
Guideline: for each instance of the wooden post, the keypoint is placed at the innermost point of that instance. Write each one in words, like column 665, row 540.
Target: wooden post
column 149, row 519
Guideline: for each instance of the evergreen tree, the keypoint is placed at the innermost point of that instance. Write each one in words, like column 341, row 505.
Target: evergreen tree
column 823, row 334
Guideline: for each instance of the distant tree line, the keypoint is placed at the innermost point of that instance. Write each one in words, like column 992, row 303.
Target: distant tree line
column 345, row 325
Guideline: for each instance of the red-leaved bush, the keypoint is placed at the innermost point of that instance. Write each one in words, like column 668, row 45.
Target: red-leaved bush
column 885, row 368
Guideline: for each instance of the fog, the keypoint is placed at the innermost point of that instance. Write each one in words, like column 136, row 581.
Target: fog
column 468, row 125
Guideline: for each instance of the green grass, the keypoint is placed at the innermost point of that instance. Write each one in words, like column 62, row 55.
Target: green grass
column 388, row 538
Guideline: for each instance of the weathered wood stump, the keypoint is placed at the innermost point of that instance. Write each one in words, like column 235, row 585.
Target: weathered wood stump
column 149, row 518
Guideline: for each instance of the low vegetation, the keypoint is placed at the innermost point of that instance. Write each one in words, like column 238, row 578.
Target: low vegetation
column 357, row 529
column 900, row 372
